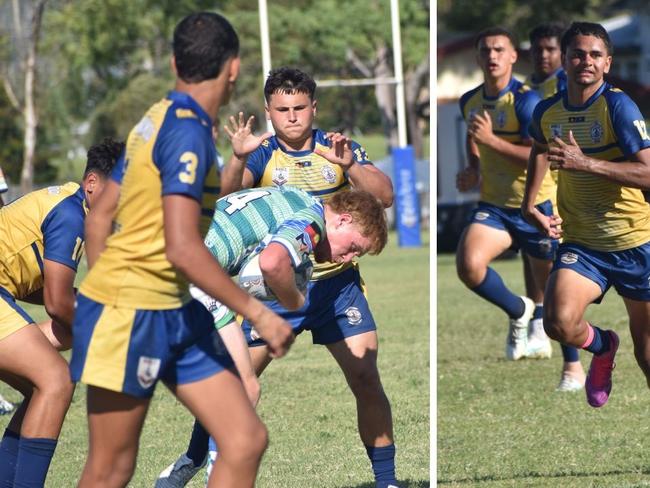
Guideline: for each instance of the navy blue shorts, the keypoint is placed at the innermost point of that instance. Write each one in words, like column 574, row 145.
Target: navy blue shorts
column 335, row 308
column 524, row 235
column 627, row 271
column 129, row 350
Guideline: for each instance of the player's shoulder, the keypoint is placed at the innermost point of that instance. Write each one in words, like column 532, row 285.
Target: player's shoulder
column 186, row 115
column 616, row 96
column 523, row 92
column 468, row 95
column 545, row 104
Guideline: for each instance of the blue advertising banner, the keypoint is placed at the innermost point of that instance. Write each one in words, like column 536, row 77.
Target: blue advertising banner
column 407, row 209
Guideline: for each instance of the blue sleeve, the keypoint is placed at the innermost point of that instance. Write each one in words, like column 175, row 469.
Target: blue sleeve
column 359, row 153
column 524, row 106
column 63, row 234
column 463, row 101
column 183, row 154
column 118, row 170
column 256, row 163
column 628, row 123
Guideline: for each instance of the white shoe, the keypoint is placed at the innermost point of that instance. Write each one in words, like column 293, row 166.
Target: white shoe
column 539, row 345
column 178, row 474
column 517, row 340
column 570, row 382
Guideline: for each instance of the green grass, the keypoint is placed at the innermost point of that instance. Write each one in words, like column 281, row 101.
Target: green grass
column 306, row 405
column 501, row 424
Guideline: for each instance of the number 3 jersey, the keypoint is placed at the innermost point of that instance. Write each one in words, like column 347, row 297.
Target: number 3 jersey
column 169, row 152
column 44, row 224
column 259, row 216
column 598, row 212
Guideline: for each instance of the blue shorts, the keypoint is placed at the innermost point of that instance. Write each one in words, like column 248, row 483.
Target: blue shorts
column 524, row 235
column 335, row 308
column 627, row 270
column 12, row 315
column 129, row 350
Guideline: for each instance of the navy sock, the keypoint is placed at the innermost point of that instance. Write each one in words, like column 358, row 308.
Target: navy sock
column 539, row 311
column 494, row 291
column 198, row 446
column 8, row 457
column 34, row 457
column 570, row 353
column 383, row 463
column 600, row 342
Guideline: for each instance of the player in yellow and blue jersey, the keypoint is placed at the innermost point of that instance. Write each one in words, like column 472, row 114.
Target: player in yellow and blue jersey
column 42, row 242
column 136, row 322
column 498, row 114
column 596, row 136
column 547, row 79
column 336, row 312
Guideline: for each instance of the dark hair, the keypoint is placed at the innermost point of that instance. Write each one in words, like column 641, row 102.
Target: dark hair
column 552, row 30
column 289, row 80
column 102, row 157
column 203, row 42
column 496, row 31
column 586, row 29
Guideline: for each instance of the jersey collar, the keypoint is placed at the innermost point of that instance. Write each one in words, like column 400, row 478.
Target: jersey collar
column 185, row 99
column 587, row 104
column 507, row 88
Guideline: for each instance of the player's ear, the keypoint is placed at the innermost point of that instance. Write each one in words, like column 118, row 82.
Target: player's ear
column 313, row 106
column 233, row 72
column 608, row 64
column 90, row 182
column 266, row 111
column 172, row 63
column 344, row 218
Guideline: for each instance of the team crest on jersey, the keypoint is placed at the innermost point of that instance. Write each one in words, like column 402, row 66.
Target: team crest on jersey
column 596, row 131
column 556, row 130
column 148, row 369
column 501, row 119
column 280, row 176
column 353, row 315
column 328, row 174
column 481, row 215
column 569, row 258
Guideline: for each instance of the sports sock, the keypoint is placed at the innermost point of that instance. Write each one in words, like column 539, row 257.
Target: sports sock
column 198, row 446
column 539, row 311
column 8, row 457
column 570, row 353
column 598, row 340
column 494, row 291
column 34, row 457
column 383, row 464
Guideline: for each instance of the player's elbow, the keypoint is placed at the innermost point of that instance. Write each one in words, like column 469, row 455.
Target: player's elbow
column 388, row 198
column 59, row 308
column 179, row 255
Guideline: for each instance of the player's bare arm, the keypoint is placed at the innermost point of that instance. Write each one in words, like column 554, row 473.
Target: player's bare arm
column 481, row 131
column 569, row 157
column 243, row 142
column 363, row 176
column 470, row 177
column 537, row 167
column 99, row 221
column 58, row 292
column 235, row 342
column 278, row 273
column 187, row 253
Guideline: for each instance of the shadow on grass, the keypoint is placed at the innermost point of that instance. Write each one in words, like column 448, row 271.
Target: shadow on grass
column 402, row 483
column 559, row 476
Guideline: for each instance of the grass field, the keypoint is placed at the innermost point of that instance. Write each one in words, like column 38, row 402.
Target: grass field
column 501, row 424
column 306, row 405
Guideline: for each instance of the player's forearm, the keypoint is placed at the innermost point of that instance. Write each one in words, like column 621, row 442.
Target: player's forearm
column 232, row 175
column 626, row 173
column 517, row 153
column 537, row 167
column 61, row 309
column 373, row 181
column 233, row 338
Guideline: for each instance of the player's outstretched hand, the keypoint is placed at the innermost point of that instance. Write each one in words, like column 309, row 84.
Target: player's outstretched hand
column 241, row 136
column 339, row 151
column 276, row 332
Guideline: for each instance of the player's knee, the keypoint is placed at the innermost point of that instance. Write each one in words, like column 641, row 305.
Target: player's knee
column 246, row 445
column 470, row 270
column 560, row 323
column 366, row 383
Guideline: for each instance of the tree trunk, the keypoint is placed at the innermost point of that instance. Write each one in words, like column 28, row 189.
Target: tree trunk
column 385, row 95
column 415, row 81
column 29, row 112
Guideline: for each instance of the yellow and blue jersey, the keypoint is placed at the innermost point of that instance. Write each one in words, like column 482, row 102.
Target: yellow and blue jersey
column 273, row 165
column 170, row 151
column 44, row 224
column 597, row 212
column 548, row 87
column 503, row 181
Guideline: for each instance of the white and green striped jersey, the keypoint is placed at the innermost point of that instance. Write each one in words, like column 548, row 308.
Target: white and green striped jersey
column 248, row 220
